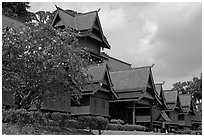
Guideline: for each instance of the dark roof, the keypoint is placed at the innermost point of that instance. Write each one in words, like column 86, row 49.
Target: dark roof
column 107, row 56
column 185, row 102
column 97, row 72
column 80, row 22
column 11, row 23
column 130, row 80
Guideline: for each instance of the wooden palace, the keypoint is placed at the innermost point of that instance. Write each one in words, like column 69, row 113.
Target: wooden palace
column 115, row 90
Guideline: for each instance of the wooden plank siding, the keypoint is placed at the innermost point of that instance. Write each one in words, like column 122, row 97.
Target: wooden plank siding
column 100, row 104
column 91, row 44
column 96, row 104
column 184, row 120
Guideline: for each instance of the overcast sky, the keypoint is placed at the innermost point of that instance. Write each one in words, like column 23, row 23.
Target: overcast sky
column 168, row 35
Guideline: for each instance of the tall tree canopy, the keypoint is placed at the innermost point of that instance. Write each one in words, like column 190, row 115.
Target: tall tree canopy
column 39, row 61
column 193, row 87
column 17, row 10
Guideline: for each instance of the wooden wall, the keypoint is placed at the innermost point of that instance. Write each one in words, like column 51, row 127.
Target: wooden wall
column 91, row 44
column 173, row 115
column 99, row 103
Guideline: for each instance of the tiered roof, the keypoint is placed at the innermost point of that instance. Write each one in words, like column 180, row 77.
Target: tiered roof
column 131, row 85
column 81, row 24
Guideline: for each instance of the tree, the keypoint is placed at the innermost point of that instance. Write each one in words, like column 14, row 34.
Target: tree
column 45, row 17
column 39, row 62
column 193, row 87
column 17, row 10
column 100, row 123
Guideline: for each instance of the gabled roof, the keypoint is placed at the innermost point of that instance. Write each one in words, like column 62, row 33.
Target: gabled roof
column 81, row 23
column 135, row 79
column 97, row 74
column 170, row 98
column 185, row 102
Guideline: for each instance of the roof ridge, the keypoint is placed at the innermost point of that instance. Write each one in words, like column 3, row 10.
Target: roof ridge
column 65, row 11
column 142, row 67
column 79, row 14
column 103, row 53
column 132, row 69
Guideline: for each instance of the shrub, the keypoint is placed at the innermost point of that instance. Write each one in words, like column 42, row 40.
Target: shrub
column 71, row 123
column 119, row 127
column 39, row 117
column 20, row 117
column 115, row 127
column 117, row 121
column 86, row 121
column 100, row 123
column 59, row 118
column 187, row 131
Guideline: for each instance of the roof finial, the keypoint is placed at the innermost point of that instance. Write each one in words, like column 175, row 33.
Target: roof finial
column 152, row 65
column 163, row 82
column 99, row 9
column 56, row 6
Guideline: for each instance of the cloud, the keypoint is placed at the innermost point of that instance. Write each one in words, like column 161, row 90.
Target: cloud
column 168, row 35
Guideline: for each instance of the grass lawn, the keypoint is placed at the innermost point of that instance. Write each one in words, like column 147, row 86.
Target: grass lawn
column 13, row 129
column 109, row 132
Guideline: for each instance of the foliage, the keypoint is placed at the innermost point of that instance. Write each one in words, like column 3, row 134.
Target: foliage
column 72, row 123
column 59, row 118
column 127, row 127
column 193, row 87
column 86, row 121
column 39, row 62
column 17, row 10
column 115, row 127
column 100, row 123
column 117, row 121
column 44, row 17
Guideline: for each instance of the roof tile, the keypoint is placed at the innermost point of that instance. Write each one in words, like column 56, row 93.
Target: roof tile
column 134, row 79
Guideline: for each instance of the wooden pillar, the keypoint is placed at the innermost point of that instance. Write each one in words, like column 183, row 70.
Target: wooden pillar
column 151, row 118
column 133, row 113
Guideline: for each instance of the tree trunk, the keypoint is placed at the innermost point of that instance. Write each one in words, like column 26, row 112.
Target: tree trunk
column 99, row 132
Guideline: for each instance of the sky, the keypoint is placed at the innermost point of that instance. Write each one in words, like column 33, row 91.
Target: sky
column 168, row 35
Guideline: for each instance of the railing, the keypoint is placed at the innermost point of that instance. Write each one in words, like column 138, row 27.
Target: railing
column 80, row 110
column 143, row 118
